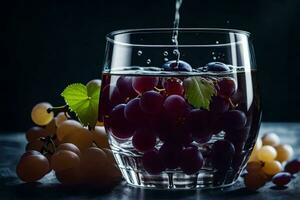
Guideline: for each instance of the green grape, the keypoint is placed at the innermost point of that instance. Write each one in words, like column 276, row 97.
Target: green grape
column 32, row 167
column 284, row 152
column 69, row 176
column 93, row 164
column 81, row 137
column 113, row 174
column 35, row 133
column 100, row 137
column 271, row 139
column 51, row 127
column 63, row 160
column 258, row 144
column 95, row 83
column 254, row 181
column 40, row 115
column 60, row 118
column 266, row 153
column 254, row 166
column 67, row 127
column 69, row 147
column 110, row 156
column 272, row 168
column 30, row 153
column 36, row 145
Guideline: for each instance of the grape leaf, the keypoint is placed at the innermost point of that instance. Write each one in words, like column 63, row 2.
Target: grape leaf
column 83, row 101
column 199, row 91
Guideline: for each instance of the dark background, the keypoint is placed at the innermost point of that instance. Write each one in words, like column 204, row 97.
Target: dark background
column 47, row 44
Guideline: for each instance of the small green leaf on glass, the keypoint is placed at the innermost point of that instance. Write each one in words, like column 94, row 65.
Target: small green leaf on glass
column 199, row 91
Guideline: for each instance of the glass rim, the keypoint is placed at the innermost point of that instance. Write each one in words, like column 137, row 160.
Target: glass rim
column 109, row 36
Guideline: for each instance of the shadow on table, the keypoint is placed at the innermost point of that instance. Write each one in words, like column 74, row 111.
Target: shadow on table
column 188, row 194
column 121, row 192
column 45, row 191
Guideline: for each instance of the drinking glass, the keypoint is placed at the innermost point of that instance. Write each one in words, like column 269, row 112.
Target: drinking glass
column 180, row 117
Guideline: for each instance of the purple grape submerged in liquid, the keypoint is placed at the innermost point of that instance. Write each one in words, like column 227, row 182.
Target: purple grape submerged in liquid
column 168, row 132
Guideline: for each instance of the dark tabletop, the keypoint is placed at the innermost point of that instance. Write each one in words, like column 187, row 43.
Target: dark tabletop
column 12, row 146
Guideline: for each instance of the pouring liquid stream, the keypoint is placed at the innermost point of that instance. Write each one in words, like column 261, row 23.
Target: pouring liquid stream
column 175, row 30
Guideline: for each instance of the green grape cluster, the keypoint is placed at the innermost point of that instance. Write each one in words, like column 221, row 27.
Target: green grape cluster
column 77, row 154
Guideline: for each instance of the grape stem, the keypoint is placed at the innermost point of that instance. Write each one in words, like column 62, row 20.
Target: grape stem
column 49, row 146
column 64, row 108
column 232, row 104
column 159, row 90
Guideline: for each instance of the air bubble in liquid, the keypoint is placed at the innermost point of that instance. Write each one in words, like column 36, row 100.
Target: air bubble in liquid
column 148, row 61
column 166, row 53
column 217, row 42
column 166, row 59
column 139, row 53
column 214, row 58
column 213, row 53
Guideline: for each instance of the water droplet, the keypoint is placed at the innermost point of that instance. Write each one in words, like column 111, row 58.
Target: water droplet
column 214, row 58
column 139, row 53
column 213, row 53
column 228, row 22
column 148, row 61
column 166, row 53
column 166, row 59
column 217, row 42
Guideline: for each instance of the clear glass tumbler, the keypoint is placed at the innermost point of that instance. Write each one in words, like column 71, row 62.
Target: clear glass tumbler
column 180, row 122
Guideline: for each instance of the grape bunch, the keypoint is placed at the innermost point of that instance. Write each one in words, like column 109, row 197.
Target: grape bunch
column 166, row 119
column 76, row 154
column 267, row 163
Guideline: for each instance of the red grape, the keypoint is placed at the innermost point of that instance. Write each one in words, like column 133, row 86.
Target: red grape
column 143, row 140
column 198, row 122
column 113, row 95
column 120, row 126
column 133, row 111
column 222, row 154
column 152, row 162
column 219, row 104
column 293, row 166
column 175, row 106
column 234, row 119
column 173, row 86
column 238, row 138
column 144, row 83
column 124, row 84
column 151, row 102
column 282, row 178
column 174, row 65
column 191, row 160
column 217, row 67
column 226, row 87
column 110, row 97
column 169, row 152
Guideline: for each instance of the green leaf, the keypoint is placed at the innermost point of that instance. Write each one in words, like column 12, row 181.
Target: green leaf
column 83, row 101
column 199, row 91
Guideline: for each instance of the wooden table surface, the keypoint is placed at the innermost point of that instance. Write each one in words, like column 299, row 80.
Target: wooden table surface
column 12, row 146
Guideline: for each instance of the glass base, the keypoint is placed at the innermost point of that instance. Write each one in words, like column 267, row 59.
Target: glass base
column 130, row 166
